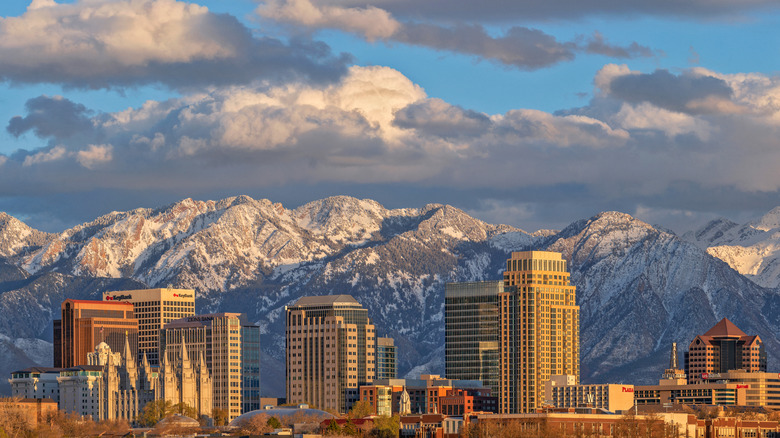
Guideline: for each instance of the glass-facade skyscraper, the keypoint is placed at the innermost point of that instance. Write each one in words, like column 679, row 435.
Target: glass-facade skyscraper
column 471, row 331
column 386, row 360
column 514, row 334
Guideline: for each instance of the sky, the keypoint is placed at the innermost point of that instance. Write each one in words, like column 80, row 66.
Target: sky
column 533, row 114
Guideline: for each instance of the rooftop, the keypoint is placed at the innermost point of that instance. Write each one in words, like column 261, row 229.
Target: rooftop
column 204, row 320
column 725, row 329
column 101, row 303
column 326, row 300
column 39, row 370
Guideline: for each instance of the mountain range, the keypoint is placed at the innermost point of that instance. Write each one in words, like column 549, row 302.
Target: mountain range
column 639, row 287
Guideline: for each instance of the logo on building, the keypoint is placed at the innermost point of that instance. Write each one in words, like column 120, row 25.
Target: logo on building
column 182, row 295
column 118, row 297
column 743, row 386
column 628, row 389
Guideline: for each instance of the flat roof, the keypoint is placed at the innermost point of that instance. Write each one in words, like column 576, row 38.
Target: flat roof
column 101, row 303
column 39, row 370
column 203, row 320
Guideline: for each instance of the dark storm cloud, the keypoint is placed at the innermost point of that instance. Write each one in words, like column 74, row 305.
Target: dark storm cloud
column 598, row 45
column 104, row 44
column 51, row 117
column 437, row 118
column 519, row 47
column 673, row 92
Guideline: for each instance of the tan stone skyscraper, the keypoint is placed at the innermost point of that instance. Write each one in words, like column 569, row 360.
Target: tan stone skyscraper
column 539, row 328
column 331, row 346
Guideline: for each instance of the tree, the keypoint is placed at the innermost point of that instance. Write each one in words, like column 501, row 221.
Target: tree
column 386, row 427
column 255, row 425
column 12, row 420
column 186, row 410
column 220, row 417
column 350, row 429
column 155, row 411
column 274, row 423
column 332, row 429
column 360, row 409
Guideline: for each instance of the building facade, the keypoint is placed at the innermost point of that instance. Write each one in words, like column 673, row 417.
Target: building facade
column 430, row 394
column 154, row 308
column 85, row 324
column 330, row 351
column 187, row 381
column 386, row 360
column 36, row 383
column 539, row 323
column 231, row 349
column 724, row 348
column 471, row 331
column 563, row 392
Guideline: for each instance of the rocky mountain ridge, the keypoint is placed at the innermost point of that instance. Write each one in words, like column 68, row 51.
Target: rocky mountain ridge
column 752, row 249
column 640, row 288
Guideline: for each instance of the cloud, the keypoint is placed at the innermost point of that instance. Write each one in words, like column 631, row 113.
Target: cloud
column 51, row 117
column 598, row 45
column 377, row 134
column 696, row 91
column 103, row 44
column 436, row 117
column 45, row 156
column 519, row 47
column 688, row 92
column 94, row 155
column 369, row 21
column 502, row 11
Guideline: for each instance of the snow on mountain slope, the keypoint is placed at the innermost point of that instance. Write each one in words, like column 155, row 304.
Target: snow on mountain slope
column 17, row 238
column 640, row 288
column 752, row 249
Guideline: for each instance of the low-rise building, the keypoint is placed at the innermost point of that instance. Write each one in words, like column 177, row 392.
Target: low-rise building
column 36, row 383
column 426, row 393
column 591, row 422
column 32, row 410
column 563, row 392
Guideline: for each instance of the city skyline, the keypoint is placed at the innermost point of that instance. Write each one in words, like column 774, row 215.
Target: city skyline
column 518, row 113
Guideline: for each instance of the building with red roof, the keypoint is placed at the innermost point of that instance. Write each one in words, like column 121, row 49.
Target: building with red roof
column 724, row 348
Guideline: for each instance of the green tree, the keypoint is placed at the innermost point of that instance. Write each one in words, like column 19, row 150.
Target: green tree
column 220, row 417
column 360, row 409
column 155, row 411
column 350, row 429
column 186, row 410
column 386, row 427
column 332, row 429
column 274, row 423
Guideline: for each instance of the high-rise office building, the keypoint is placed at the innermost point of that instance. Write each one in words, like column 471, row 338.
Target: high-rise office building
column 513, row 335
column 231, row 349
column 539, row 326
column 471, row 331
column 330, row 345
column 85, row 324
column 386, row 360
column 724, row 348
column 153, row 309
